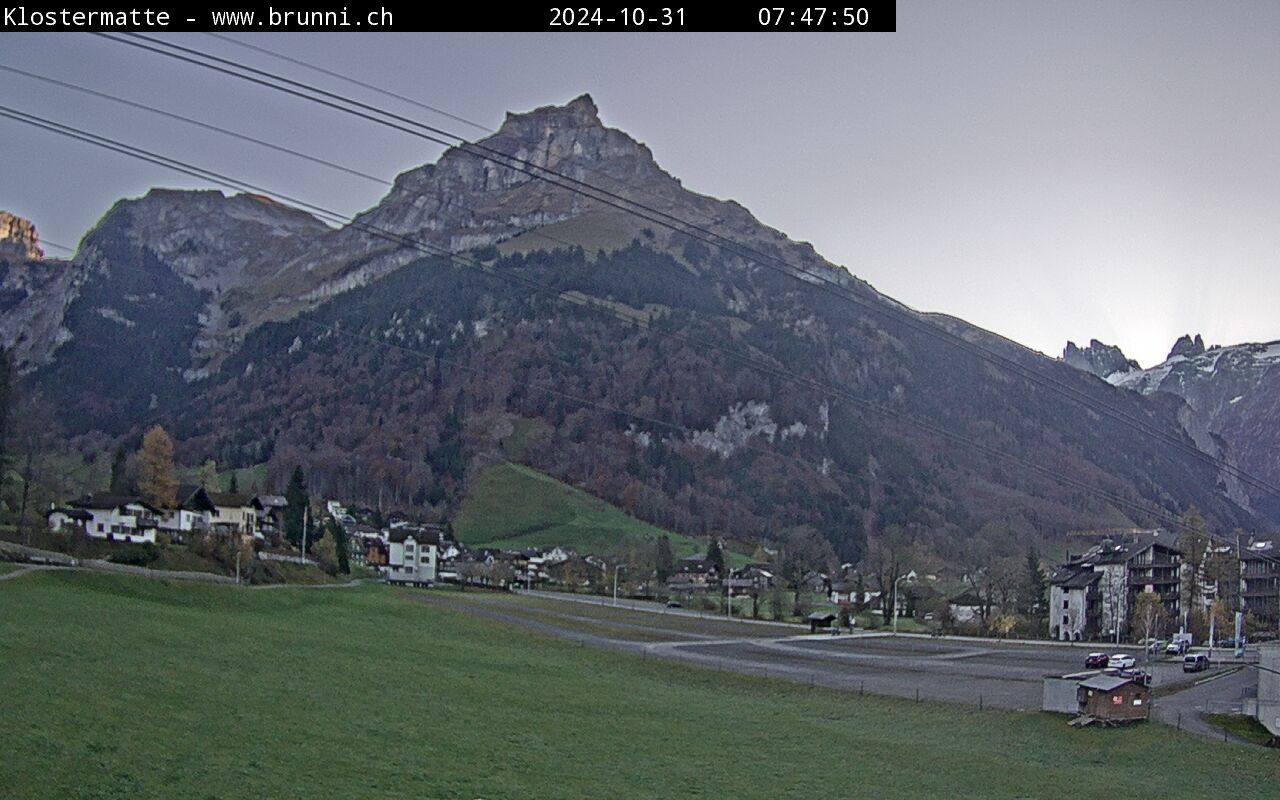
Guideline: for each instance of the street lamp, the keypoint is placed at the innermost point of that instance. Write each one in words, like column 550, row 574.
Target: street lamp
column 895, row 604
column 616, row 567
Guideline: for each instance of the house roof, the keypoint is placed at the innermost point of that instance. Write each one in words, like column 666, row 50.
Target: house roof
column 966, row 599
column 73, row 513
column 1075, row 578
column 1105, row 683
column 105, row 501
column 231, row 499
column 1109, row 551
column 271, row 501
column 419, row 536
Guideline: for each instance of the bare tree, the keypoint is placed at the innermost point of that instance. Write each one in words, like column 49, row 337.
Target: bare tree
column 885, row 560
column 803, row 550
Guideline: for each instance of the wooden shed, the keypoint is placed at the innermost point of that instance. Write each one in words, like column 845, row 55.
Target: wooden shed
column 819, row 619
column 1113, row 698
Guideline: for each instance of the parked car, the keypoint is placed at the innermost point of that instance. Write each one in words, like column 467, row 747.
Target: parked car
column 1155, row 646
column 1195, row 662
column 1121, row 661
column 1095, row 660
column 1176, row 648
column 1140, row 675
column 673, row 604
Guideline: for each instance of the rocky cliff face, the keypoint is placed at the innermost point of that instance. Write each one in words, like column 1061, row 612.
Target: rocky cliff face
column 193, row 309
column 1234, row 392
column 1100, row 359
column 18, row 240
column 1232, row 397
column 34, row 294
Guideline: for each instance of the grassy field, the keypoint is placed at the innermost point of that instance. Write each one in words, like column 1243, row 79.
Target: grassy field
column 1246, row 728
column 6, row 567
column 122, row 687
column 513, row 506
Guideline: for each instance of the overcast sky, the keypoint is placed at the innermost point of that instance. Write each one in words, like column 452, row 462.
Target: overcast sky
column 1049, row 171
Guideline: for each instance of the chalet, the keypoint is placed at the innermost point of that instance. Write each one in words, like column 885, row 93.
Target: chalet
column 116, row 518
column 694, row 574
column 377, row 552
column 1090, row 596
column 965, row 607
column 1113, row 698
column 846, row 593
column 575, row 572
column 270, row 510
column 751, row 578
column 233, row 514
column 816, row 583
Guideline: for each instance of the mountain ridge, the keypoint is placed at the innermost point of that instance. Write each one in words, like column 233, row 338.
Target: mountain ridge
column 257, row 334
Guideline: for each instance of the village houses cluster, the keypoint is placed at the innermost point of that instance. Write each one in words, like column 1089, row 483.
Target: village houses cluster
column 1090, row 597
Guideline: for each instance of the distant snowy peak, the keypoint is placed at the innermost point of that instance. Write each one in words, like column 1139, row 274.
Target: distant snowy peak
column 1231, row 393
column 1190, row 363
column 1104, row 360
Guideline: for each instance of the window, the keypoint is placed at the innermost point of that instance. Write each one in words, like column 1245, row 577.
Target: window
column 1065, row 620
column 1066, row 604
column 101, row 527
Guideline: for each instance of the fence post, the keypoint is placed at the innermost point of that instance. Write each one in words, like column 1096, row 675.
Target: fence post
column 980, row 699
column 917, row 694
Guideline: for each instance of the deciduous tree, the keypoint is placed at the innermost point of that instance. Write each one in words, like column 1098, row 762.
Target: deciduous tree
column 801, row 551
column 157, row 480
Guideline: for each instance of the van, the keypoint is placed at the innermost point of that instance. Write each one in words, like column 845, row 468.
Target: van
column 1196, row 662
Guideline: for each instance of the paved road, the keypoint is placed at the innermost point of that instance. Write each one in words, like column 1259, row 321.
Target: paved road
column 1220, row 694
column 954, row 669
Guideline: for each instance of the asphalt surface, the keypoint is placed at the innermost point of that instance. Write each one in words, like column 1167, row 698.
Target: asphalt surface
column 951, row 669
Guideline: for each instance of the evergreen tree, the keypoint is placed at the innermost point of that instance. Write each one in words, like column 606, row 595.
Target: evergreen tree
column 716, row 556
column 664, row 560
column 296, row 497
column 157, row 481
column 233, row 486
column 339, row 534
column 1035, row 591
column 120, row 472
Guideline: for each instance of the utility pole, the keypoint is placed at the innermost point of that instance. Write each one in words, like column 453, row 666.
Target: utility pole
column 615, row 584
column 895, row 604
column 306, row 513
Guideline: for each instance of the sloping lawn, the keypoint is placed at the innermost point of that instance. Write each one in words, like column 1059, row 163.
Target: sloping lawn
column 120, row 687
column 513, row 506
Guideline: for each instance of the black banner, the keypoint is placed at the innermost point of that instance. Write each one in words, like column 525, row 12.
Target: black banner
column 867, row 17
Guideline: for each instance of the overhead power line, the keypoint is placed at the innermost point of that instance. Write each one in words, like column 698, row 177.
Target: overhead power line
column 814, row 279
column 429, row 249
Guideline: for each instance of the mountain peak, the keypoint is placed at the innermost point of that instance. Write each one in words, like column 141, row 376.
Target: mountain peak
column 1187, row 347
column 580, row 112
column 1103, row 360
column 18, row 238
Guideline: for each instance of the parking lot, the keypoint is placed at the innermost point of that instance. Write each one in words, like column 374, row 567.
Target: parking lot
column 971, row 671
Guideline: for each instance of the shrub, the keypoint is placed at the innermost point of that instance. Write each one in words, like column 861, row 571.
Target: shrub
column 137, row 555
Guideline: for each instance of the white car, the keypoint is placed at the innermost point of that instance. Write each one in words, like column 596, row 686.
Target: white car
column 1121, row 661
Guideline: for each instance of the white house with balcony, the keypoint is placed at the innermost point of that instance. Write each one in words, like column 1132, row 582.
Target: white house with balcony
column 116, row 518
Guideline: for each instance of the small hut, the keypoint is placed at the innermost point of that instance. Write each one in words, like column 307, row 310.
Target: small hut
column 820, row 619
column 1113, row 699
